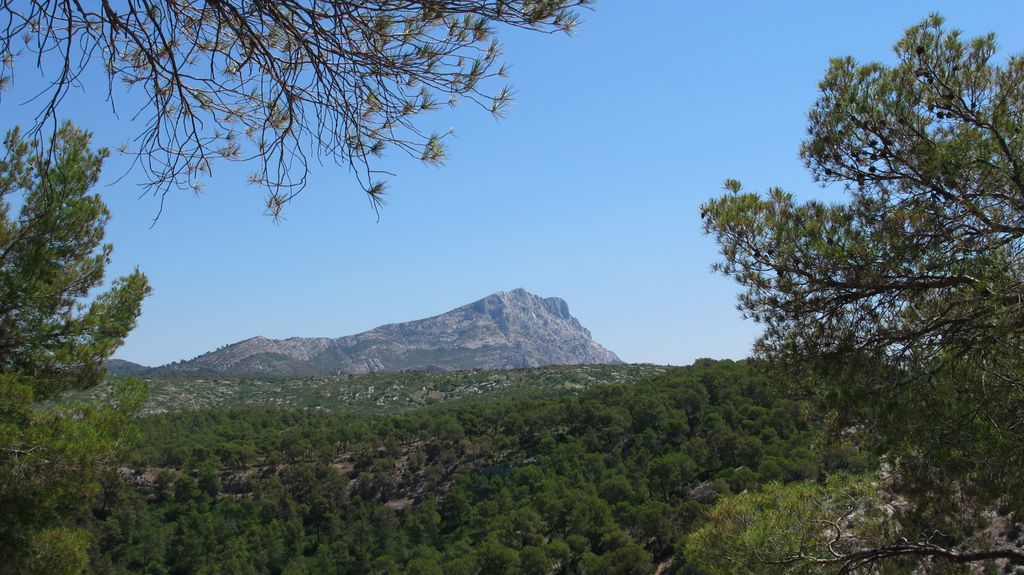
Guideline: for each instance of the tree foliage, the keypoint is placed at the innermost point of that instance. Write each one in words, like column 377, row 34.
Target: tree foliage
column 278, row 82
column 848, row 524
column 51, row 340
column 902, row 310
column 561, row 485
column 782, row 526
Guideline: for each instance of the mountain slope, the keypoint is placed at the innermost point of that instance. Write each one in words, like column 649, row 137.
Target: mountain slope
column 120, row 367
column 503, row 330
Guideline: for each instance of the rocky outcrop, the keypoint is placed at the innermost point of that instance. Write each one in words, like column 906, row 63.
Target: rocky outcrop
column 503, row 330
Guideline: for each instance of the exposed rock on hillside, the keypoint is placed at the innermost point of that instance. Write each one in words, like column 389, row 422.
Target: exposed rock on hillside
column 503, row 330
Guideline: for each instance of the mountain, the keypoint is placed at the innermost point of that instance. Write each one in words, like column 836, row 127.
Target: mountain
column 501, row 331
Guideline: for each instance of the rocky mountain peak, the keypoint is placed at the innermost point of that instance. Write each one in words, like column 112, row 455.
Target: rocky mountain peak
column 520, row 300
column 507, row 329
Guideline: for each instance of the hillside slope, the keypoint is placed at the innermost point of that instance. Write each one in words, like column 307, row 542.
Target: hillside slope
column 501, row 331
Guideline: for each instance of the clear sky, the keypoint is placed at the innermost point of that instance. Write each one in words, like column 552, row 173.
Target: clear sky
column 588, row 190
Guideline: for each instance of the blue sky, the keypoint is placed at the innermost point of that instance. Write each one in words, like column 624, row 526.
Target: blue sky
column 588, row 190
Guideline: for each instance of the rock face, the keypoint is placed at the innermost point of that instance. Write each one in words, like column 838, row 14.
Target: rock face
column 503, row 330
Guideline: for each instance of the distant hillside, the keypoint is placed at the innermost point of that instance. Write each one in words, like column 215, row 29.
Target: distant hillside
column 122, row 367
column 381, row 392
column 501, row 331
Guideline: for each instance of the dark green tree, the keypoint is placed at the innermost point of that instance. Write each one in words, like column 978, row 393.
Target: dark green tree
column 277, row 82
column 54, row 338
column 902, row 310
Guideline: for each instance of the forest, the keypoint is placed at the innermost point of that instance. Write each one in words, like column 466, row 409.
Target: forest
column 609, row 481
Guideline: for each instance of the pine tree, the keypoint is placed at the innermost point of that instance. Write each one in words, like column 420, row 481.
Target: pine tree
column 54, row 337
column 902, row 310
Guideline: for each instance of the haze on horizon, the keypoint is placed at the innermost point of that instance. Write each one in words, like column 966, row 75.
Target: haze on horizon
column 588, row 190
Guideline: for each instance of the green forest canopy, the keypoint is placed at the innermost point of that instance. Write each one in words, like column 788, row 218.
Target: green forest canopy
column 606, row 482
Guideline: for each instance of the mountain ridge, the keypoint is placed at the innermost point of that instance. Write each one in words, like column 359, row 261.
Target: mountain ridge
column 507, row 329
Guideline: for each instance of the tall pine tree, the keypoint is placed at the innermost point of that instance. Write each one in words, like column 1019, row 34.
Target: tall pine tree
column 902, row 310
column 55, row 335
